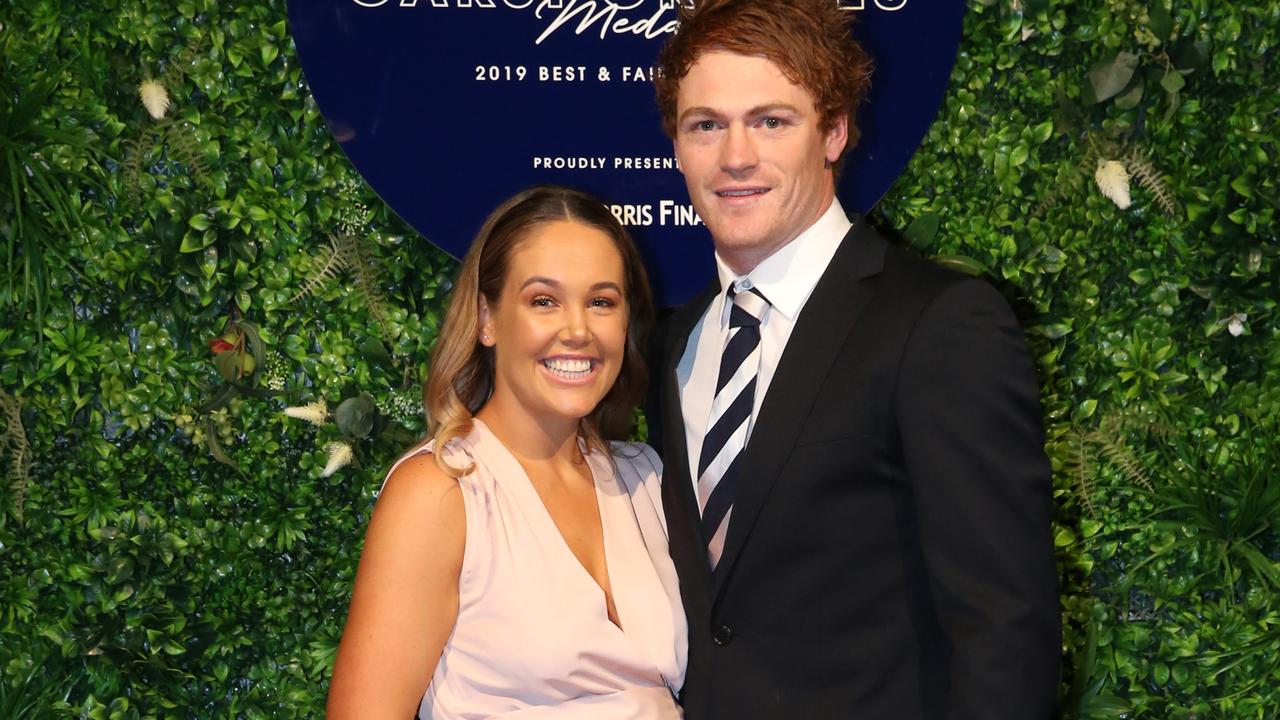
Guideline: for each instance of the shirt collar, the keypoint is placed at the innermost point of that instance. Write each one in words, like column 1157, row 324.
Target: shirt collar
column 788, row 276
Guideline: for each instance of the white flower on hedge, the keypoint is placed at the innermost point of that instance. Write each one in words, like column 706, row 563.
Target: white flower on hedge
column 1236, row 324
column 315, row 413
column 339, row 456
column 154, row 97
column 1113, row 180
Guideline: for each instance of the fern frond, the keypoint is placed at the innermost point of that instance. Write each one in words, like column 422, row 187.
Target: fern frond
column 1151, row 179
column 350, row 252
column 19, row 478
column 1105, row 443
column 178, row 67
column 13, row 442
column 1084, row 486
column 1064, row 186
column 131, row 169
column 135, row 154
column 1125, row 461
column 333, row 261
column 367, row 274
column 185, row 147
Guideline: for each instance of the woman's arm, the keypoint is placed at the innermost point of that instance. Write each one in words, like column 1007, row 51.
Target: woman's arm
column 405, row 600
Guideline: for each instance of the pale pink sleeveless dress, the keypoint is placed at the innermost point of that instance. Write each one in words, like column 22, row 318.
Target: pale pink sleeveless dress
column 533, row 640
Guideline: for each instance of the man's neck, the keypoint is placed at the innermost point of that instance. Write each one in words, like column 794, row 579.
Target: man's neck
column 742, row 262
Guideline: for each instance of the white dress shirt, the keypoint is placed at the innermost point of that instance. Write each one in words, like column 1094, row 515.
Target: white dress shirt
column 786, row 279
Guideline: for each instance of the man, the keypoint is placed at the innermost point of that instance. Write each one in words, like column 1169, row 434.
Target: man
column 856, row 490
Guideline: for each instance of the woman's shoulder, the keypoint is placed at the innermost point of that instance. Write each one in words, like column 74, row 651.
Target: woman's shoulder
column 419, row 520
column 639, row 469
column 636, row 452
column 418, row 481
column 458, row 452
column 636, row 460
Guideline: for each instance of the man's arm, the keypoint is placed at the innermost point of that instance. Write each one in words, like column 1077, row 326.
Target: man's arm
column 972, row 437
column 655, row 358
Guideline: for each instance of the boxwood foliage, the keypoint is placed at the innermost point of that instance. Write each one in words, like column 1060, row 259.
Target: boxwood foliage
column 171, row 544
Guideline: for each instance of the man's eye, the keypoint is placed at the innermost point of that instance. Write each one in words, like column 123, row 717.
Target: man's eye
column 705, row 126
column 772, row 123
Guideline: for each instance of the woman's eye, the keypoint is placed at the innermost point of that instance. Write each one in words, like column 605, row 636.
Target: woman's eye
column 542, row 301
column 603, row 302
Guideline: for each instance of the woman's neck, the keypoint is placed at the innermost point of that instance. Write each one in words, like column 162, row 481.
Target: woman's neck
column 532, row 440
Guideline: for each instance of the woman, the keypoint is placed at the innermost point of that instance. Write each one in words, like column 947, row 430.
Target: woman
column 518, row 560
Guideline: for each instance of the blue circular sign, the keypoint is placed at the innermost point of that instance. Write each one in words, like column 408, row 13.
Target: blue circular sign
column 448, row 107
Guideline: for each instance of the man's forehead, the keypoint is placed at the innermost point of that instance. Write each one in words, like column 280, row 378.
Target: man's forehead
column 754, row 80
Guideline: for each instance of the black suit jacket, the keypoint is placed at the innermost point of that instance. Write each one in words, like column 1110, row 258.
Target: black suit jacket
column 889, row 556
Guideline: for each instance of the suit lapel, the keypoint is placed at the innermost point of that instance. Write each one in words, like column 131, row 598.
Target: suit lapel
column 820, row 331
column 688, row 550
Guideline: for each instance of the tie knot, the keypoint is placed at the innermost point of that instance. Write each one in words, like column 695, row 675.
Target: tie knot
column 749, row 307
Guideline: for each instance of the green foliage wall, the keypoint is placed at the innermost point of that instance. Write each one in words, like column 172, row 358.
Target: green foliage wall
column 172, row 546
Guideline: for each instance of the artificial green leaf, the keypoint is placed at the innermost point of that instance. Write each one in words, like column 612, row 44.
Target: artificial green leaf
column 1105, row 706
column 253, row 339
column 1033, row 8
column 215, row 447
column 228, row 364
column 354, row 416
column 1063, row 537
column 923, row 229
column 221, row 397
column 1130, row 98
column 195, row 242
column 1052, row 331
column 963, row 263
column 1244, row 185
column 209, row 262
column 1160, row 22
column 374, row 351
column 1175, row 102
column 1173, row 81
column 1042, row 132
column 1190, row 56
column 1068, row 118
column 1088, row 407
column 1110, row 75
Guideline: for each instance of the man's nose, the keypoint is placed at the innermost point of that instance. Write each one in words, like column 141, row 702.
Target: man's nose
column 738, row 153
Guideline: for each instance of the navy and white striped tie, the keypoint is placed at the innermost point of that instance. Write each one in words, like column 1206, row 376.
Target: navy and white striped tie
column 730, row 423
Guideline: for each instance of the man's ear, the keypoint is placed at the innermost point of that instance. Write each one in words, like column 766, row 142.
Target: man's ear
column 836, row 139
column 484, row 331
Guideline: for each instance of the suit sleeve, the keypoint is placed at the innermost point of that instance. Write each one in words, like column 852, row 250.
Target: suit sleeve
column 655, row 356
column 973, row 443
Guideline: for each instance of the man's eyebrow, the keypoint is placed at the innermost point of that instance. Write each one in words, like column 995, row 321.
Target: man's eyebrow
column 773, row 108
column 697, row 111
column 753, row 112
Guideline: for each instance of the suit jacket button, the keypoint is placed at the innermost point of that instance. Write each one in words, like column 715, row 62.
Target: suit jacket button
column 722, row 635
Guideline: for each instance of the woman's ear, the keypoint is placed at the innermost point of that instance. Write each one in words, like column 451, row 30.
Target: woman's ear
column 484, row 333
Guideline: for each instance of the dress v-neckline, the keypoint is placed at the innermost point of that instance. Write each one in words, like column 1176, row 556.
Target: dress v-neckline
column 549, row 524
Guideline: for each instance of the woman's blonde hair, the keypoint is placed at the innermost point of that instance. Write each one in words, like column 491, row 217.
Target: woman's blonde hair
column 460, row 378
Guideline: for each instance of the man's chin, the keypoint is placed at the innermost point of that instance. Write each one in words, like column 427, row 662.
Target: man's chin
column 735, row 235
